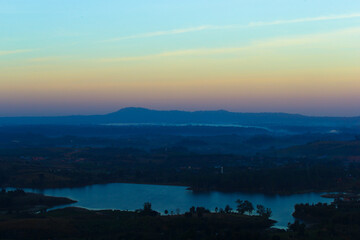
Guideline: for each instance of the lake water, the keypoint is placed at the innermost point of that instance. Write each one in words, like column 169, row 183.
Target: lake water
column 123, row 196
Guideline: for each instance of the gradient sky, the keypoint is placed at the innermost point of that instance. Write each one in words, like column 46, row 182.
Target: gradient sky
column 60, row 57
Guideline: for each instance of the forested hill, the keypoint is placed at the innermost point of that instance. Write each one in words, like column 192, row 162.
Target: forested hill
column 349, row 149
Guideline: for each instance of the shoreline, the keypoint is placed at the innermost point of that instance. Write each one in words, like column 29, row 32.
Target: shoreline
column 325, row 192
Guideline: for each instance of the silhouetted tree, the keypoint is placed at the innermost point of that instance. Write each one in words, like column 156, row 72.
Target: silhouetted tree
column 228, row 209
column 263, row 212
column 147, row 211
column 147, row 206
column 297, row 227
column 201, row 210
column 244, row 206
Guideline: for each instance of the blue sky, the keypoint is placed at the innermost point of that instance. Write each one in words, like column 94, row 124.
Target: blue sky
column 83, row 49
column 36, row 24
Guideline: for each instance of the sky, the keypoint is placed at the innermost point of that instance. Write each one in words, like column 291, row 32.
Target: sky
column 61, row 57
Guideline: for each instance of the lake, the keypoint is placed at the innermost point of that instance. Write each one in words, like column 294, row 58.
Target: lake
column 123, row 196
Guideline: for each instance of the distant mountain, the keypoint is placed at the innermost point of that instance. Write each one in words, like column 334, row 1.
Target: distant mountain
column 147, row 116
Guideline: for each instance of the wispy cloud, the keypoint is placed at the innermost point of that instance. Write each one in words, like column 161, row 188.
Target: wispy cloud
column 172, row 32
column 9, row 52
column 269, row 43
column 163, row 33
column 302, row 20
column 235, row 26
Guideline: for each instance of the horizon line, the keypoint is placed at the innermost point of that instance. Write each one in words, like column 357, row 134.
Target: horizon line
column 177, row 110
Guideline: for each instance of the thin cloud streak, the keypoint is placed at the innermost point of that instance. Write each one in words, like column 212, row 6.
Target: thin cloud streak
column 163, row 33
column 302, row 20
column 224, row 27
column 274, row 42
column 3, row 53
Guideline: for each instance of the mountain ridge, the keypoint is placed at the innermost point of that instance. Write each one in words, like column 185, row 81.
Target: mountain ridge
column 137, row 115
